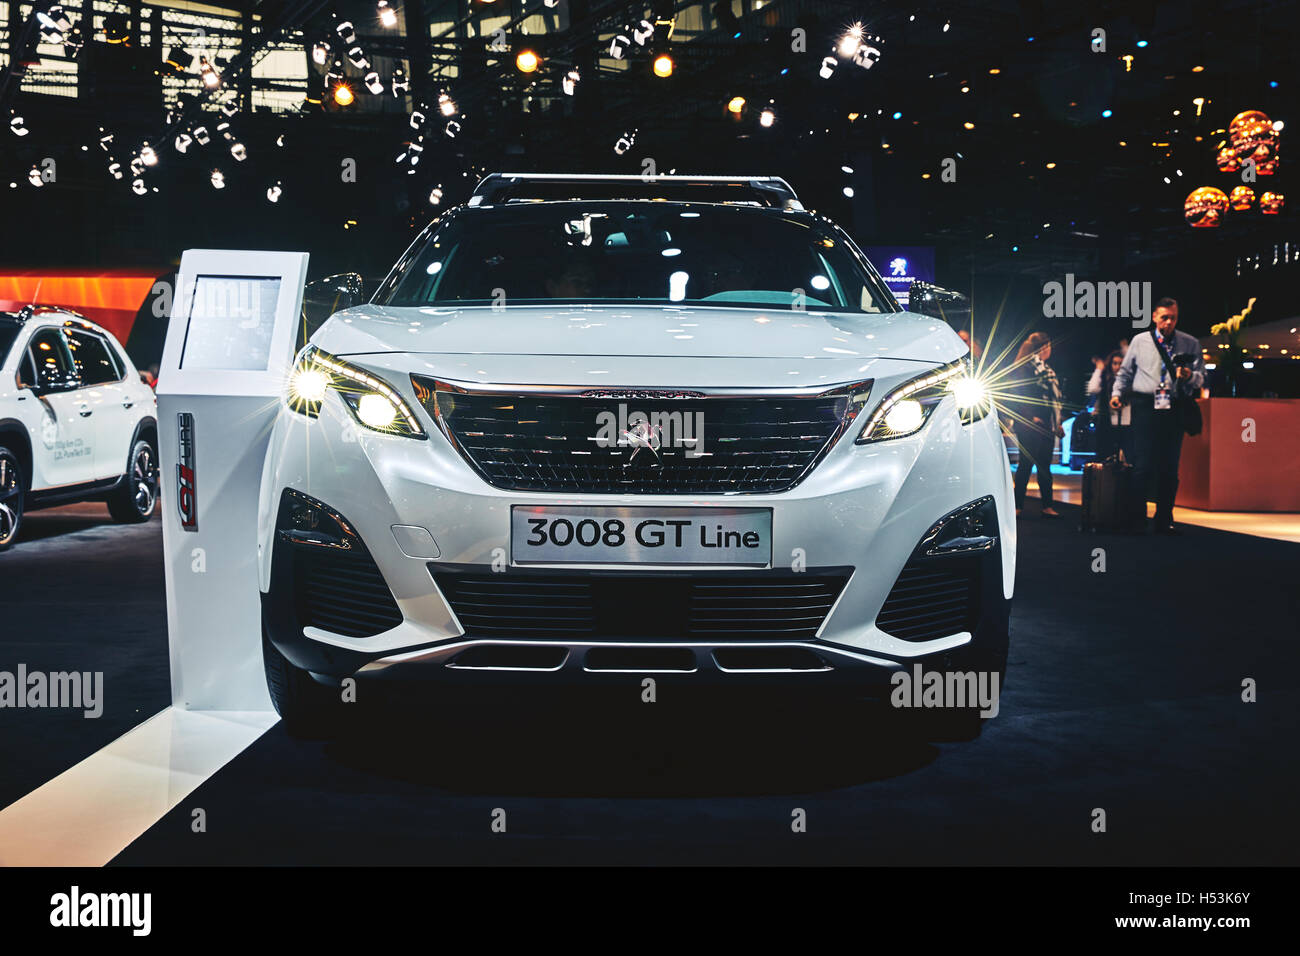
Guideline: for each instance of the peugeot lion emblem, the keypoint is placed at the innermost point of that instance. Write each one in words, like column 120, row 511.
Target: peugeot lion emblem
column 642, row 435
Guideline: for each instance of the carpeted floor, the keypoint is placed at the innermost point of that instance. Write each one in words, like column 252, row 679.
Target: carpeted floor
column 1124, row 694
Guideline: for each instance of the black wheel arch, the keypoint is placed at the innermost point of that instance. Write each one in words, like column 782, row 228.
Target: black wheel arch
column 13, row 435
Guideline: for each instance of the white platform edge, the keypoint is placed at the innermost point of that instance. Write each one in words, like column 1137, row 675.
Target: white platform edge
column 91, row 812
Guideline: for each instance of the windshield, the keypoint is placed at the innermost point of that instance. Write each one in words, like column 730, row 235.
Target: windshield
column 642, row 252
column 8, row 333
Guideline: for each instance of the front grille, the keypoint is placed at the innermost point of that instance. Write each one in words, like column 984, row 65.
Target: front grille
column 700, row 606
column 342, row 591
column 933, row 598
column 553, row 443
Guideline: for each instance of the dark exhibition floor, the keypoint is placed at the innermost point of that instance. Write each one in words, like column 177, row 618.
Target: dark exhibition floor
column 1123, row 693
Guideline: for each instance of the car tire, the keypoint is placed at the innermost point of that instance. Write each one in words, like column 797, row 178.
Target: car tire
column 136, row 496
column 307, row 709
column 13, row 491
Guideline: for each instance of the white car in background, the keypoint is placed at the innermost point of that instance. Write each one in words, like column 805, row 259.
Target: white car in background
column 596, row 429
column 76, row 421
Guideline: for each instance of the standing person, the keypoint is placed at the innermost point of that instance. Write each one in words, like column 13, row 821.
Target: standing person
column 1035, row 404
column 1161, row 370
column 1112, row 425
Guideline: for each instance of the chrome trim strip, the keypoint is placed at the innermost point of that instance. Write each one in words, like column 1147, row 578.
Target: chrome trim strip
column 575, row 661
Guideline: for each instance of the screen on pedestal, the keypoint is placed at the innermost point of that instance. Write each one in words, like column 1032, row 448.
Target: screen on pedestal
column 230, row 323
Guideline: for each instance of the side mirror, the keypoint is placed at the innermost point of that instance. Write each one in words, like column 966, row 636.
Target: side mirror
column 321, row 298
column 938, row 302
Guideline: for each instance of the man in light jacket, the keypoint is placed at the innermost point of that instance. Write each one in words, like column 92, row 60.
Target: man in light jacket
column 1157, row 429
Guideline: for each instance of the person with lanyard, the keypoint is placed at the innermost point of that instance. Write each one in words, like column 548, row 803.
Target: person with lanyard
column 1160, row 370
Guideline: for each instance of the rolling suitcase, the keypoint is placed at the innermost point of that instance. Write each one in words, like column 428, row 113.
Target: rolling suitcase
column 1109, row 497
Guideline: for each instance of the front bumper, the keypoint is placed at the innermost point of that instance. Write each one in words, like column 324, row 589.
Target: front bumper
column 864, row 509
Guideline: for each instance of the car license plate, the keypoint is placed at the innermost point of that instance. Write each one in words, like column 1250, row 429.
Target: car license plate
column 741, row 537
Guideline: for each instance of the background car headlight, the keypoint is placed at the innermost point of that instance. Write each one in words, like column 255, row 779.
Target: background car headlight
column 907, row 408
column 373, row 402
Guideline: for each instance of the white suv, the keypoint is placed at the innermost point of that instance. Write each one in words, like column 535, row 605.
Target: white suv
column 76, row 421
column 592, row 429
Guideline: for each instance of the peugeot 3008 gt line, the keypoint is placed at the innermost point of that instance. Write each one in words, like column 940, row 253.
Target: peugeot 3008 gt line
column 592, row 429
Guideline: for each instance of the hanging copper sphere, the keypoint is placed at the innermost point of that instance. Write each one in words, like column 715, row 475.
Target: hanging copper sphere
column 1204, row 207
column 1242, row 198
column 1270, row 204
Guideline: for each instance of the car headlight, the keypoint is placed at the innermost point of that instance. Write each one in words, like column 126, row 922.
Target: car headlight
column 372, row 401
column 907, row 408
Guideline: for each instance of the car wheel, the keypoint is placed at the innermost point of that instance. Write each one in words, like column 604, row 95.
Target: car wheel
column 136, row 496
column 307, row 709
column 12, row 491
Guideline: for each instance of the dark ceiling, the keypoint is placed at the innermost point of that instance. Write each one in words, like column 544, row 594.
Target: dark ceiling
column 1103, row 206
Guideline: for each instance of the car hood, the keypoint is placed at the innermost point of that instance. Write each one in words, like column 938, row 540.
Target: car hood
column 639, row 331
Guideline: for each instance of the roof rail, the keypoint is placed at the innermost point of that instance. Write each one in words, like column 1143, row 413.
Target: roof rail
column 523, row 187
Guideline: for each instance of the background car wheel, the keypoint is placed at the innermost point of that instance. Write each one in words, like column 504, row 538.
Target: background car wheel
column 307, row 709
column 12, row 491
column 136, row 497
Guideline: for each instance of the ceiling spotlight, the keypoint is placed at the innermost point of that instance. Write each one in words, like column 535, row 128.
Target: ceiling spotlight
column 211, row 78
column 968, row 125
column 851, row 40
column 238, row 151
column 358, row 58
column 618, row 46
column 373, row 83
column 401, row 82
column 148, row 156
column 201, row 135
column 736, row 105
column 526, row 61
column 347, row 33
column 180, row 59
column 218, row 179
column 343, row 95
column 115, row 169
column 18, row 126
column 947, row 24
column 848, row 191
column 387, row 15
column 182, row 142
column 138, row 187
column 828, row 68
column 274, row 192
column 663, row 65
column 766, row 118
column 320, row 52
column 435, row 196
column 34, row 177
column 569, row 82
column 446, row 105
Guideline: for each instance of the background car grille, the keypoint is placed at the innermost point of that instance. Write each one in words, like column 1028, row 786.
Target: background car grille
column 548, row 442
column 342, row 592
column 933, row 598
column 703, row 606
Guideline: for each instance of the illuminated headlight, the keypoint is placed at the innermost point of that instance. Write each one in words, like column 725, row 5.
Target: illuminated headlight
column 905, row 410
column 373, row 402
